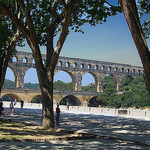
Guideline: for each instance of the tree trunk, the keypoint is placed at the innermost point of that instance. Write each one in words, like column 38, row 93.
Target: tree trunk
column 3, row 67
column 132, row 18
column 47, row 104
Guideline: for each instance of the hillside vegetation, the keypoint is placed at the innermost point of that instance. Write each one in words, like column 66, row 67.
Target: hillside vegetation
column 133, row 93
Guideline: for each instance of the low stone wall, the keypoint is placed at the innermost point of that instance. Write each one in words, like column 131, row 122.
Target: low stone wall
column 109, row 111
column 26, row 105
column 95, row 110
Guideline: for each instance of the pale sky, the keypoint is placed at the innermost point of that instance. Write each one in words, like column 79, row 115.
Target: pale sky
column 110, row 41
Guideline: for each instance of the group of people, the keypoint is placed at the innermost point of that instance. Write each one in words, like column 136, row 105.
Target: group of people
column 11, row 106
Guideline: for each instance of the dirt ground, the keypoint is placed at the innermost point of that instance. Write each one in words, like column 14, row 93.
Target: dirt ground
column 15, row 131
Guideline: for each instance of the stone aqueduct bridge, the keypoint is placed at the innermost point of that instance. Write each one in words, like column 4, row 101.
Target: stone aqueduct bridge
column 76, row 68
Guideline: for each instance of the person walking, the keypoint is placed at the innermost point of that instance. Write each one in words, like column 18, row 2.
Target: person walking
column 1, row 108
column 22, row 103
column 57, row 114
column 15, row 101
column 11, row 108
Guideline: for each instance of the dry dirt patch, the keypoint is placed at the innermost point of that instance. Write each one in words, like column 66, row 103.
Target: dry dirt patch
column 15, row 131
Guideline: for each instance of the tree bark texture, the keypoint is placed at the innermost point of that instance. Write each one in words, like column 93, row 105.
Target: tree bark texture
column 132, row 18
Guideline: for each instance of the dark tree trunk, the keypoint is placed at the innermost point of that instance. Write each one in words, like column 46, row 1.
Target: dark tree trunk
column 3, row 67
column 132, row 18
column 47, row 100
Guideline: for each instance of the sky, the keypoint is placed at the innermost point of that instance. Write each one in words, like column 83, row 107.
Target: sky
column 110, row 41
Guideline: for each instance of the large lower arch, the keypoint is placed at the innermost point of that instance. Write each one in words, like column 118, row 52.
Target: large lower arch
column 93, row 102
column 37, row 99
column 12, row 97
column 73, row 100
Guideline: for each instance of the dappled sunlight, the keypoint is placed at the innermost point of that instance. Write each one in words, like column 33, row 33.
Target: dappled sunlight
column 113, row 132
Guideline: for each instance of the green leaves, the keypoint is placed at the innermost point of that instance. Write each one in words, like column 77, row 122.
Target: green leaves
column 134, row 94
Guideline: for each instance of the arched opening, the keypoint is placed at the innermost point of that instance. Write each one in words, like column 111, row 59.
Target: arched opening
column 67, row 64
column 14, row 59
column 10, row 97
column 63, row 81
column 133, row 71
column 88, row 83
column 24, row 60
column 59, row 64
column 96, row 67
column 37, row 99
column 10, row 79
column 75, row 65
column 121, row 69
column 109, row 83
column 102, row 68
column 94, row 102
column 31, row 79
column 128, row 70
column 71, row 99
column 89, row 66
column 109, row 68
column 125, row 81
column 44, row 61
column 115, row 69
column 82, row 66
column 33, row 61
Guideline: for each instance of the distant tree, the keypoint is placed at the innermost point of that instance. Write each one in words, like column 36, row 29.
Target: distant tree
column 8, row 84
column 35, row 100
column 41, row 21
column 131, row 14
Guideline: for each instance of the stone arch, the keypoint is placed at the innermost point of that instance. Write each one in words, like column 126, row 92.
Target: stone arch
column 121, row 69
column 103, row 68
column 133, row 71
column 128, row 70
column 93, row 102
column 39, row 96
column 75, row 65
column 25, row 60
column 73, row 100
column 95, row 78
column 15, row 75
column 82, row 65
column 59, row 63
column 33, row 61
column 70, row 74
column 13, row 96
column 27, row 69
column 109, row 68
column 15, row 59
column 89, row 66
column 67, row 64
column 126, row 76
column 116, row 69
column 114, row 78
column 96, row 67
column 44, row 61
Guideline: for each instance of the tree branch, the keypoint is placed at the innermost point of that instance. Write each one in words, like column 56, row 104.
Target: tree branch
column 5, row 11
